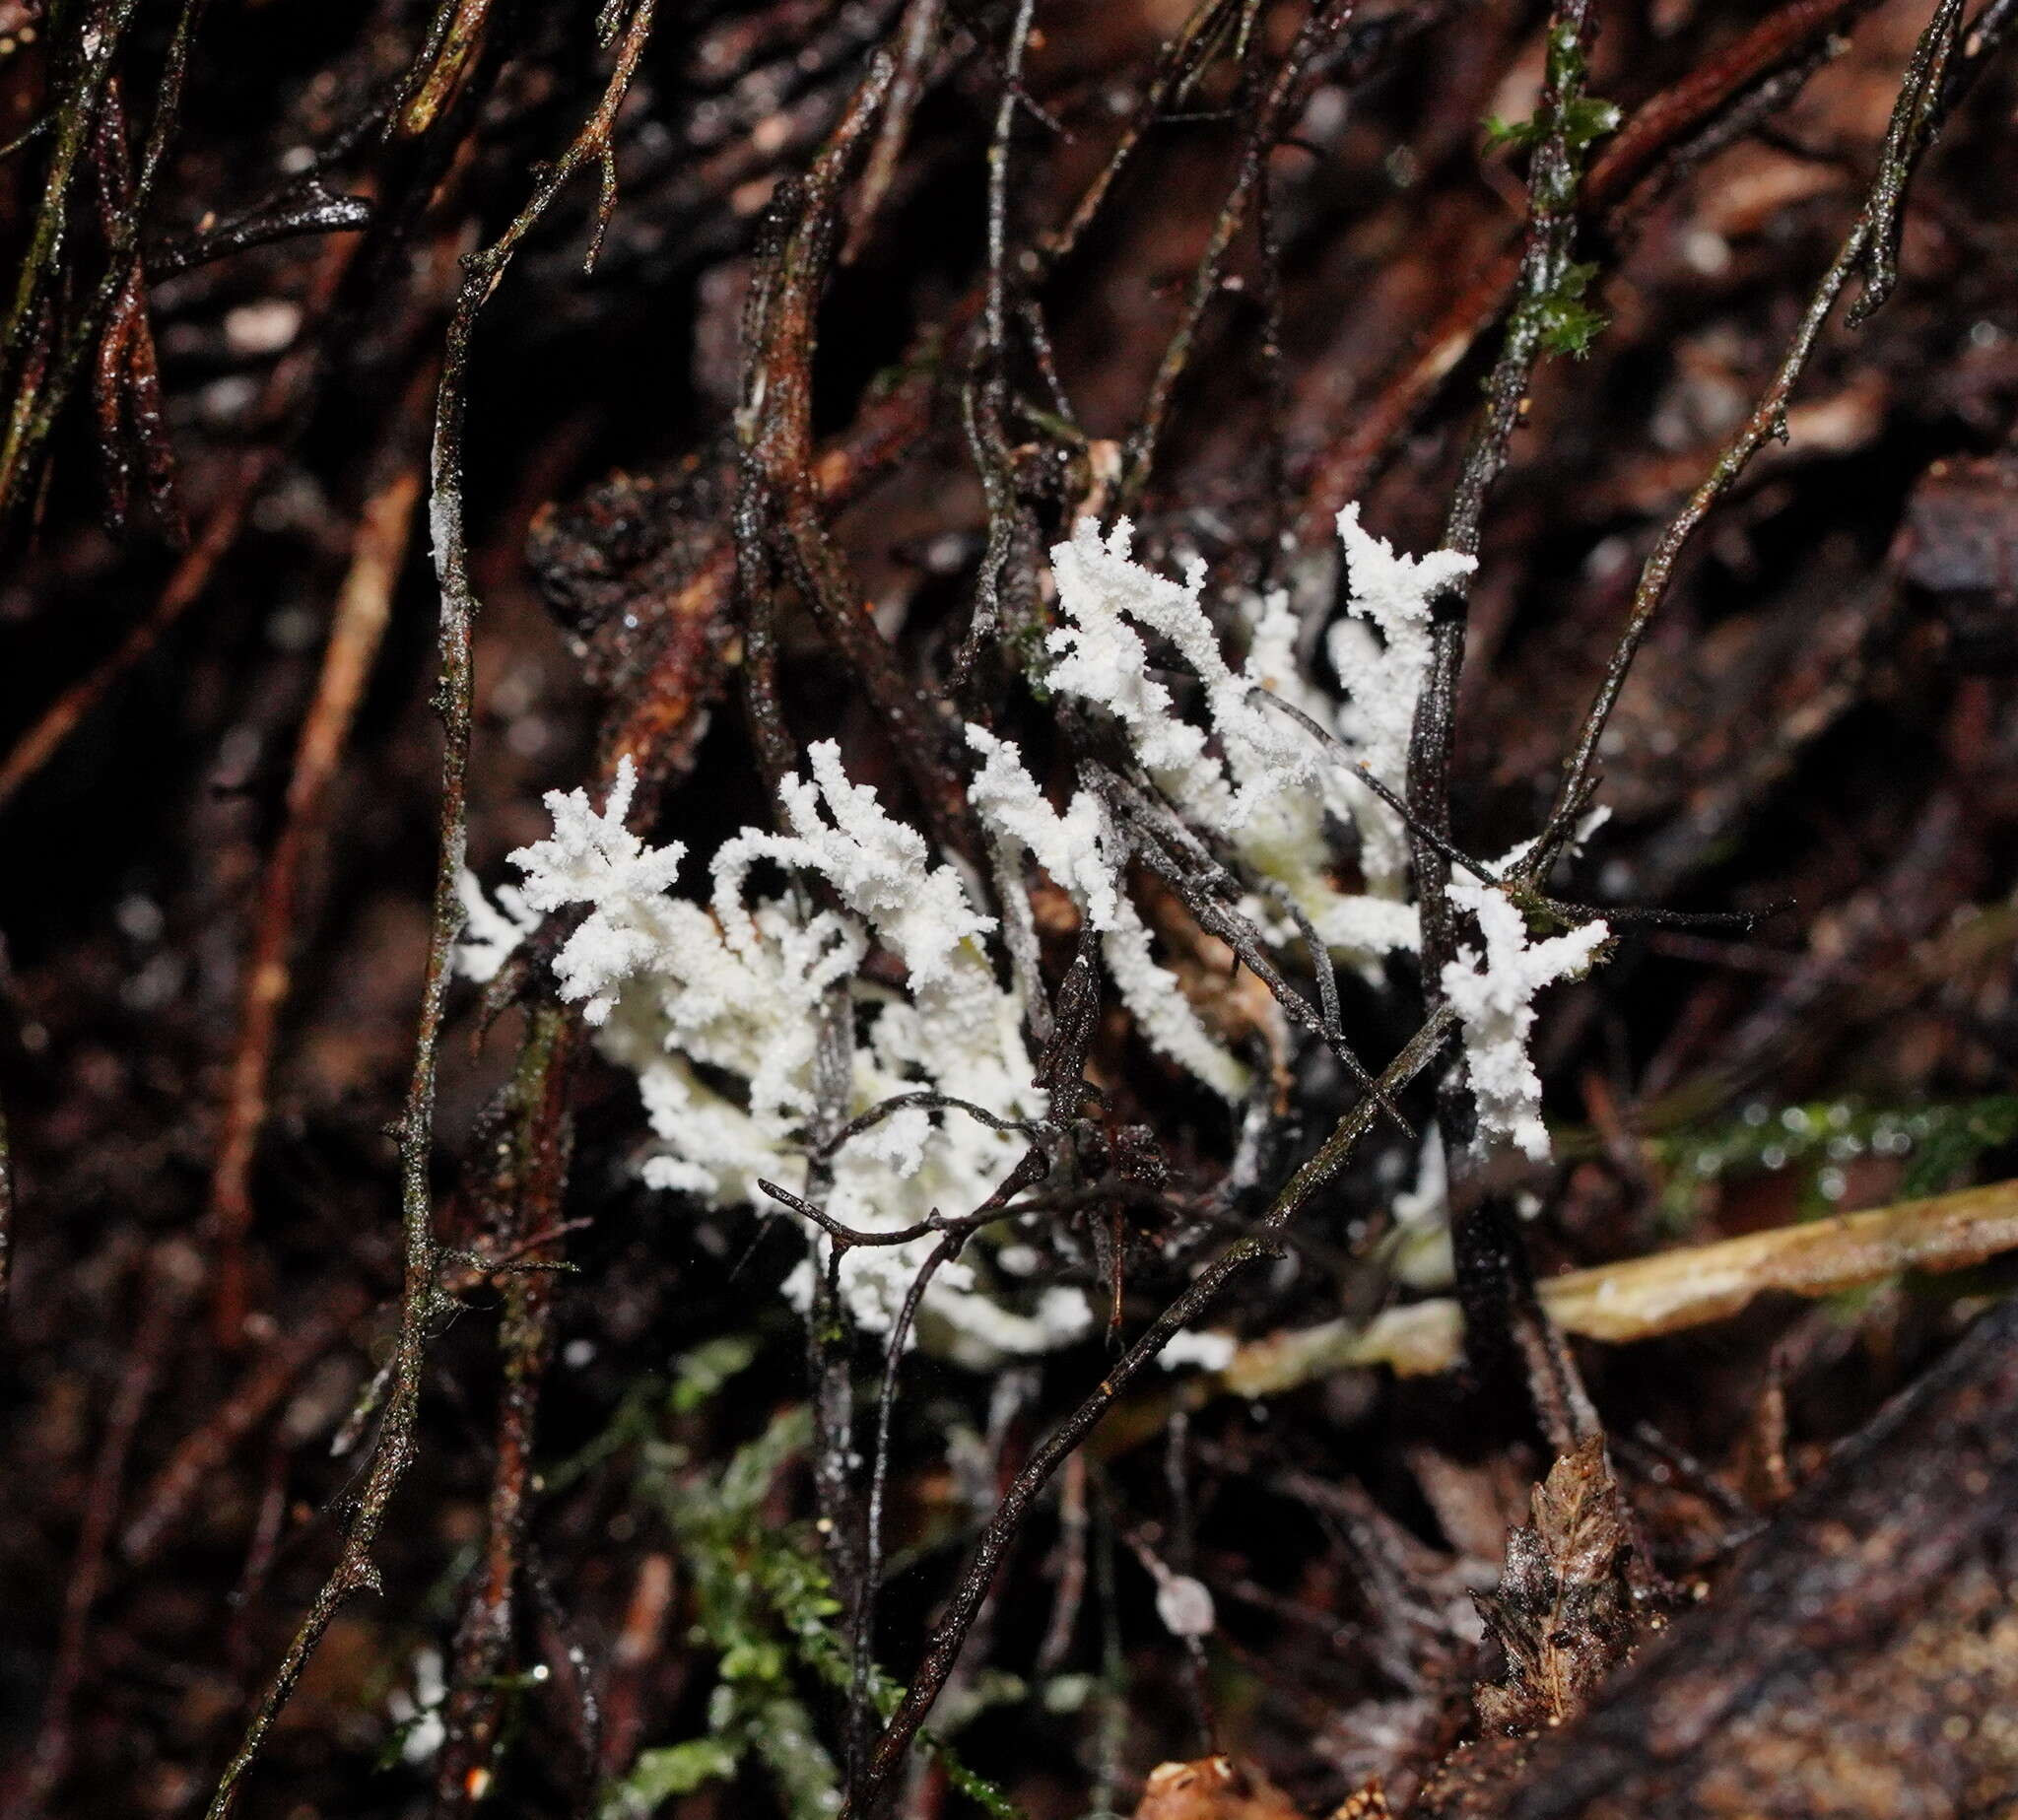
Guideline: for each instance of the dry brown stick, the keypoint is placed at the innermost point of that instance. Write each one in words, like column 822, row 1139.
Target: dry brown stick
column 1686, row 108
column 201, row 1452
column 1495, row 1279
column 364, row 608
column 127, row 375
column 1644, row 1297
column 780, row 497
column 987, row 402
column 917, row 39
column 1274, row 111
column 455, row 38
column 37, row 402
column 1178, row 63
column 1868, row 249
column 85, row 73
column 640, row 1640
column 532, row 1205
column 420, row 1297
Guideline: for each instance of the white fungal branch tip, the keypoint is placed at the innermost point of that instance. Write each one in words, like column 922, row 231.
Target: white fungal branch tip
column 1492, row 994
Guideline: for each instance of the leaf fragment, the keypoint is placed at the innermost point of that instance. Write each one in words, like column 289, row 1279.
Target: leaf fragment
column 1562, row 1613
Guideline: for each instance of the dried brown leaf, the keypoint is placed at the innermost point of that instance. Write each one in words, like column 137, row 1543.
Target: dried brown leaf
column 1562, row 1613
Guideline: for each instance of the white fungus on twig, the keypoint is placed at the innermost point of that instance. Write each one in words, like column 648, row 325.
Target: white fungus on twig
column 718, row 1008
column 1492, row 994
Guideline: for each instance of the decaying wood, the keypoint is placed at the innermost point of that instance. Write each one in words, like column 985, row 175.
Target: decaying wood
column 1861, row 1661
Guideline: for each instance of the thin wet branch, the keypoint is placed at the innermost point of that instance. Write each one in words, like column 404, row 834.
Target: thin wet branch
column 421, row 1297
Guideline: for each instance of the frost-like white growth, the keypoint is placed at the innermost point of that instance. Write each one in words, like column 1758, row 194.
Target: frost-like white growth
column 593, row 859
column 686, row 995
column 1494, row 997
column 1099, row 657
column 1197, row 1347
column 1103, row 596
column 490, row 931
column 1269, row 787
column 419, row 1715
column 717, row 1009
column 1384, row 677
column 1080, row 851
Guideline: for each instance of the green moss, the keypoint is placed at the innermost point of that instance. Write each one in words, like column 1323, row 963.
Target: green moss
column 765, row 1606
column 1939, row 1143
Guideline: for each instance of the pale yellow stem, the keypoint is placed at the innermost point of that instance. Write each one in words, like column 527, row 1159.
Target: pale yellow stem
column 1648, row 1296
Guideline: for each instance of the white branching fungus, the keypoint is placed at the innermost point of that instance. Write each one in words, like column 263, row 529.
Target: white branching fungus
column 1384, row 677
column 1080, row 851
column 1268, row 789
column 490, row 931
column 718, row 1011
column 1493, row 995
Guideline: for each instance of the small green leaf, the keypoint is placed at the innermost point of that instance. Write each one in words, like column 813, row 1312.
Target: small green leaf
column 1516, row 133
column 1587, row 119
column 753, row 1661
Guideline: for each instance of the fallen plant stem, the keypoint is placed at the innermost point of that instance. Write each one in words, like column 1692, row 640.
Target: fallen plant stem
column 1869, row 248
column 539, row 1159
column 1644, row 1297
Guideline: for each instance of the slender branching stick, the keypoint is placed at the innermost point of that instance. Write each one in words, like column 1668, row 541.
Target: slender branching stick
column 1264, row 1242
column 420, row 1294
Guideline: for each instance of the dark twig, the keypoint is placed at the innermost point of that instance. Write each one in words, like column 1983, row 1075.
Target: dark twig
column 1867, row 249
column 1544, row 275
column 862, row 1620
column 1273, row 113
column 984, row 411
column 1416, row 826
column 1664, row 138
column 283, row 403
column 931, row 1102
column 1175, row 854
column 530, row 1202
column 420, row 1297
column 943, row 1649
column 35, row 404
column 170, row 1275
column 781, row 507
column 919, row 40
